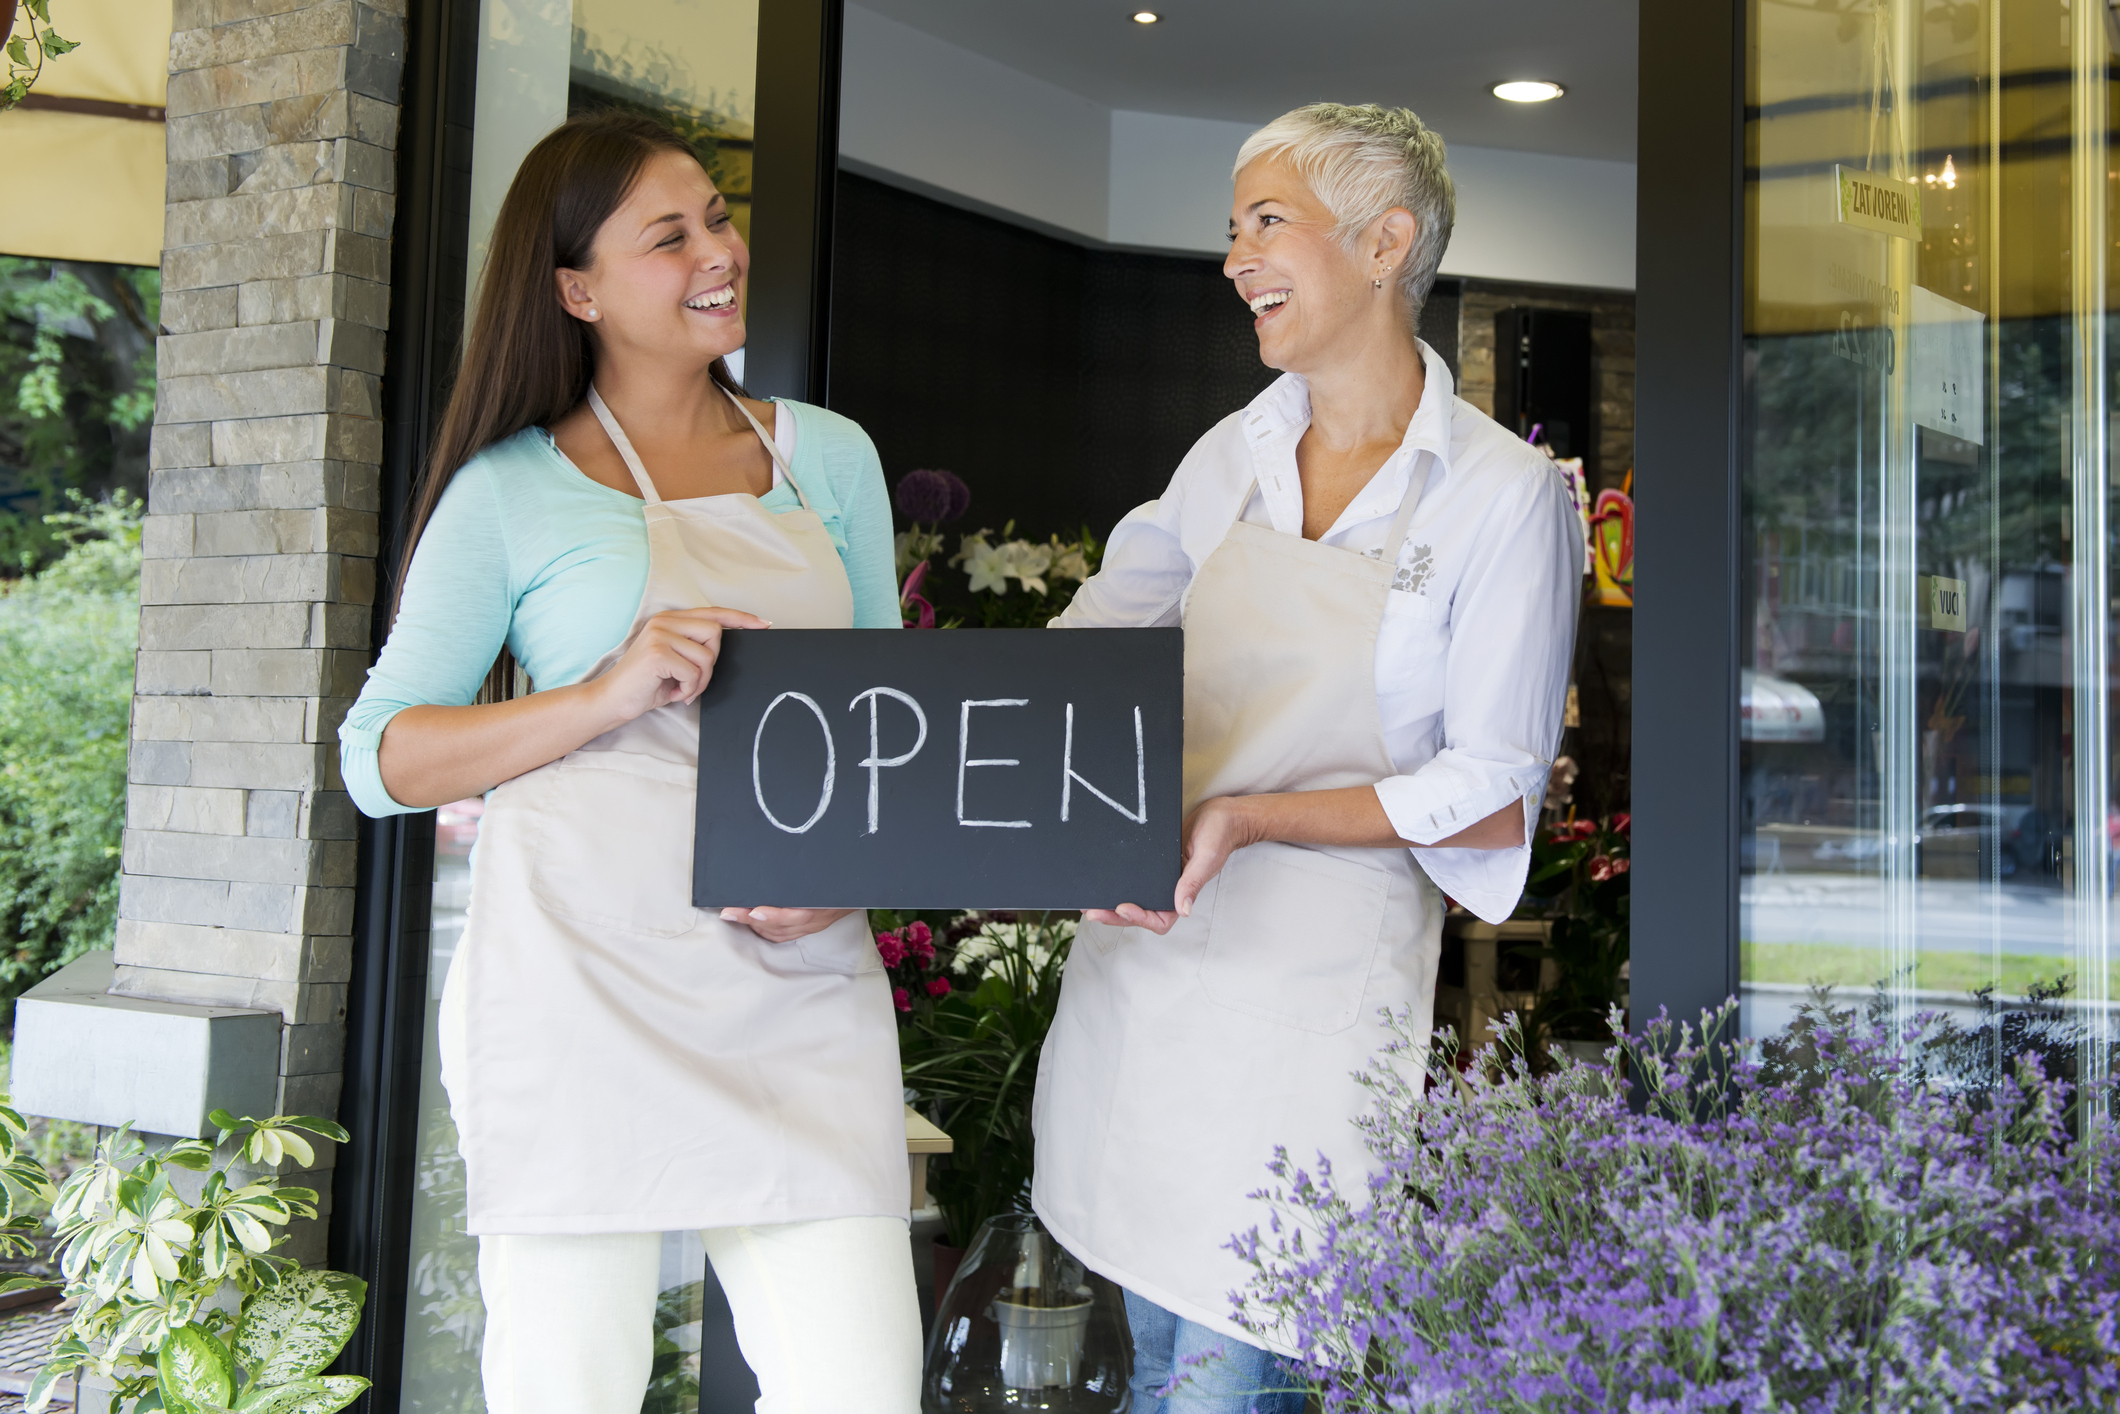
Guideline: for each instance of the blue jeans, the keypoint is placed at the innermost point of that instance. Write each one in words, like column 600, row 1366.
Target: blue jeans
column 1217, row 1374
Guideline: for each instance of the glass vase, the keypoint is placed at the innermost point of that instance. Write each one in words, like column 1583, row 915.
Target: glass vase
column 1024, row 1326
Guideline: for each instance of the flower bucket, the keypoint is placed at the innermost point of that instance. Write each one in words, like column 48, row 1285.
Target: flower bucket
column 1041, row 1346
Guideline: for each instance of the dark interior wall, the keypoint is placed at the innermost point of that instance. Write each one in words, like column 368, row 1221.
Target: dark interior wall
column 1064, row 383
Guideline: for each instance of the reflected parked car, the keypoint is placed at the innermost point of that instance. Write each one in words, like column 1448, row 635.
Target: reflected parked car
column 2020, row 839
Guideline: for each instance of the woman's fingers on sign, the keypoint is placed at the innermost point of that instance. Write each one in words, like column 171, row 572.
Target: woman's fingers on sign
column 1131, row 915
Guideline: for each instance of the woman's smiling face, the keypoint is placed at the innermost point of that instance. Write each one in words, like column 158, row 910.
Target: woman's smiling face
column 669, row 271
column 1304, row 287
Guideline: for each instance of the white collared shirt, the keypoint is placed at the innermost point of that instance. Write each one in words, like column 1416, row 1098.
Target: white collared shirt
column 1473, row 654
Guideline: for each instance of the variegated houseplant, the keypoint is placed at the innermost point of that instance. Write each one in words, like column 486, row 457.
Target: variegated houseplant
column 178, row 1301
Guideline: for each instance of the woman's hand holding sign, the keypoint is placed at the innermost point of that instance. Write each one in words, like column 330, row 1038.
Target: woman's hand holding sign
column 1353, row 815
column 670, row 660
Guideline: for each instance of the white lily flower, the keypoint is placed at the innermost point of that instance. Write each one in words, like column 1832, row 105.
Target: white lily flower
column 1028, row 562
column 989, row 569
column 1071, row 563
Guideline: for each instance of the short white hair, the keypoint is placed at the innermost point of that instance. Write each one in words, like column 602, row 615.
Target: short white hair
column 1362, row 160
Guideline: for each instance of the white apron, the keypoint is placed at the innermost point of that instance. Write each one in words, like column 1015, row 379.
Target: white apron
column 1176, row 1064
column 617, row 1060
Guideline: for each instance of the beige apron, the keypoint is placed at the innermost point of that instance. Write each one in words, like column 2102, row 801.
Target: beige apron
column 1176, row 1064
column 617, row 1060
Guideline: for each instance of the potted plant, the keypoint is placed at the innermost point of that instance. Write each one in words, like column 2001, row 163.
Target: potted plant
column 1579, row 882
column 970, row 1056
column 177, row 1297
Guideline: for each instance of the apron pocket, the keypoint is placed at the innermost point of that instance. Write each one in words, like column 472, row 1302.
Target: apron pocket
column 614, row 843
column 1293, row 935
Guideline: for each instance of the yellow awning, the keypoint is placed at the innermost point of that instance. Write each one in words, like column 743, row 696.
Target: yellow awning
column 85, row 186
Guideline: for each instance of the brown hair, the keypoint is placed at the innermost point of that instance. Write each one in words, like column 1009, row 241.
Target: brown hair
column 528, row 362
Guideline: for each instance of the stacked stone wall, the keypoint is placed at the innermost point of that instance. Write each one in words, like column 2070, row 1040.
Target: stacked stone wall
column 258, row 571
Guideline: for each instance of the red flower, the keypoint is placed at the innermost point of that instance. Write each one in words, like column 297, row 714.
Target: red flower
column 938, row 986
column 892, row 949
column 1601, row 868
column 1568, row 831
column 920, row 941
column 1621, row 822
column 1620, row 865
column 901, row 998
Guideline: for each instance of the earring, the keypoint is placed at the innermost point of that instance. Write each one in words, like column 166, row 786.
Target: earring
column 592, row 311
column 1382, row 271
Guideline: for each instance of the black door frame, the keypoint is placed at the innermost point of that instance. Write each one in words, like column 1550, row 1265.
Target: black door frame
column 795, row 173
column 1689, row 363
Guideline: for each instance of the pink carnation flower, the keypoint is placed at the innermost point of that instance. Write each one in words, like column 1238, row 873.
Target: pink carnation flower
column 901, row 998
column 892, row 949
column 938, row 986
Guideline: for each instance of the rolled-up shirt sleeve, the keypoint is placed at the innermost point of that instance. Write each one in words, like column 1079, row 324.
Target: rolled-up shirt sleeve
column 1512, row 637
column 451, row 624
column 1143, row 578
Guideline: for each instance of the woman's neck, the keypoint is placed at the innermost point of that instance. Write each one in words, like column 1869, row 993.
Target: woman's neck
column 679, row 401
column 1369, row 391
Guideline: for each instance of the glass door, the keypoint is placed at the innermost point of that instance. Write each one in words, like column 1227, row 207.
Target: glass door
column 691, row 64
column 1927, row 812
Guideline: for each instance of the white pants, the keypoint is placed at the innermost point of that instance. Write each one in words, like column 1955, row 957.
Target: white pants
column 825, row 1314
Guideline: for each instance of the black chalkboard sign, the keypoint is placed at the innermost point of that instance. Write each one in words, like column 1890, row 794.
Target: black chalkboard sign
column 987, row 768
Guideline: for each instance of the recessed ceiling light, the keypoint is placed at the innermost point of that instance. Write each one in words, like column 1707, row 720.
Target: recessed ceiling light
column 1528, row 90
column 1146, row 17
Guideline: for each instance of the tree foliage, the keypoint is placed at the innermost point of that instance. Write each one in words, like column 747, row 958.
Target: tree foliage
column 77, row 392
column 67, row 636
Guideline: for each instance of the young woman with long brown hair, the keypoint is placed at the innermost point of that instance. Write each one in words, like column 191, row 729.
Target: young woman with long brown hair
column 602, row 502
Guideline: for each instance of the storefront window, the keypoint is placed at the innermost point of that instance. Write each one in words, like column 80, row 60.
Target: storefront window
column 1927, row 797
column 691, row 64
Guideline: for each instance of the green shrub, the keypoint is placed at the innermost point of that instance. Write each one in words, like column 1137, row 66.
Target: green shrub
column 67, row 636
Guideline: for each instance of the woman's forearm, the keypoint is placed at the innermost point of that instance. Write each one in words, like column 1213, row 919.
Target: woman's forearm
column 433, row 755
column 1354, row 816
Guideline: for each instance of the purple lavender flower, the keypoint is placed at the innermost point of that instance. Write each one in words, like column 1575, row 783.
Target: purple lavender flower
column 932, row 497
column 1827, row 1228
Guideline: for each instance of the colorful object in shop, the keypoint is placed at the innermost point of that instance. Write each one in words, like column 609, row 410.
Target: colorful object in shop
column 1612, row 543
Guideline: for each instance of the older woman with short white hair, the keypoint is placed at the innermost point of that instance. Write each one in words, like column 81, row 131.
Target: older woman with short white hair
column 1378, row 587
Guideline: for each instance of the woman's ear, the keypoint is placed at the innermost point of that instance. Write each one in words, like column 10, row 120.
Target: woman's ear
column 1394, row 240
column 574, row 296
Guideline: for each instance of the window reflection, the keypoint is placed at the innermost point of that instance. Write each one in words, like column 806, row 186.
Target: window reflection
column 1926, row 793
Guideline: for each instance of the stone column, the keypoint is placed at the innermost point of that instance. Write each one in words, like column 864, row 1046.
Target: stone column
column 259, row 548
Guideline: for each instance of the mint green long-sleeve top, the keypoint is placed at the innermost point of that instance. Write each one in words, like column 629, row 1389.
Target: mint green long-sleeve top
column 525, row 551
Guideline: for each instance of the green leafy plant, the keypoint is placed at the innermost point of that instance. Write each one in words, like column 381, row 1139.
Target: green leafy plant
column 66, row 668
column 1580, row 879
column 23, row 71
column 150, row 1270
column 972, row 1059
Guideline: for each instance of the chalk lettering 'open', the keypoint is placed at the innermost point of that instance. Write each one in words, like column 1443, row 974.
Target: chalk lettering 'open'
column 875, row 761
column 964, row 763
column 1069, row 775
column 831, row 766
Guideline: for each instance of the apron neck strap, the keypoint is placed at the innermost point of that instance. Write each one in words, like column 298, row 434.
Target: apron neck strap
column 771, row 446
column 624, row 444
column 632, row 460
column 1416, row 483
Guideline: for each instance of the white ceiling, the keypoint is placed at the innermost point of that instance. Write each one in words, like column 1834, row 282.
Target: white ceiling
column 1248, row 60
